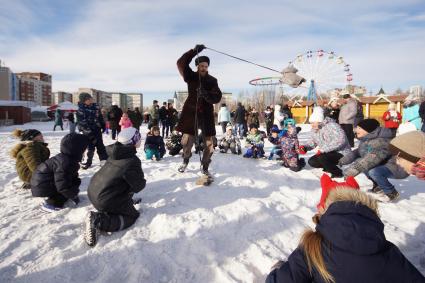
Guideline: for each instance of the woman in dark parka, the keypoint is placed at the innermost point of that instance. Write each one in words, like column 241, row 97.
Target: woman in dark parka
column 348, row 246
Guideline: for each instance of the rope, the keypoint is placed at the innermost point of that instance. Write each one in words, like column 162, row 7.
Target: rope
column 243, row 60
column 196, row 114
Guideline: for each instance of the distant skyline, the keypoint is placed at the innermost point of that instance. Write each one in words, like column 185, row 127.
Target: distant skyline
column 133, row 46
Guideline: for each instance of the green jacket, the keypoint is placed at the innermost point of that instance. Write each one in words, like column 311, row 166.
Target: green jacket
column 28, row 156
column 256, row 139
column 154, row 112
column 58, row 118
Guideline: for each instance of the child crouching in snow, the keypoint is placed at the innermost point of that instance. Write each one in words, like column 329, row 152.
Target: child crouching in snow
column 29, row 153
column 174, row 144
column 275, row 141
column 289, row 145
column 347, row 245
column 57, row 178
column 111, row 189
column 254, row 142
column 154, row 144
column 230, row 141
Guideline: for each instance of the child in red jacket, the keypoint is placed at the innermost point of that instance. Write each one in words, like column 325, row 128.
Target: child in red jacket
column 392, row 118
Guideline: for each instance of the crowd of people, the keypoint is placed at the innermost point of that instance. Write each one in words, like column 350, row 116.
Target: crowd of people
column 337, row 251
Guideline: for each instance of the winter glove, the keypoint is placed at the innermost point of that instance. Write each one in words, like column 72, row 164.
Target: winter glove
column 302, row 150
column 199, row 48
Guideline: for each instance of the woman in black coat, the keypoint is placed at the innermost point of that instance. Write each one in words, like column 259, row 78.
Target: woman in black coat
column 114, row 117
column 348, row 245
column 57, row 178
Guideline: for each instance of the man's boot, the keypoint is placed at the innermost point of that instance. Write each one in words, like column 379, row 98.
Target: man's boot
column 204, row 169
column 183, row 166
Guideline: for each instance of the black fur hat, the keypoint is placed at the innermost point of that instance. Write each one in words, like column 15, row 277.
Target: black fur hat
column 202, row 59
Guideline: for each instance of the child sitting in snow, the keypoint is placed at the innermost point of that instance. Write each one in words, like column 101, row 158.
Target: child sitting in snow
column 289, row 145
column 254, row 143
column 112, row 188
column 29, row 153
column 154, row 144
column 57, row 178
column 174, row 144
column 275, row 141
column 125, row 121
column 230, row 141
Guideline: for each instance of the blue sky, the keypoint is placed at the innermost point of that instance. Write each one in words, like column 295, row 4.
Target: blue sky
column 133, row 45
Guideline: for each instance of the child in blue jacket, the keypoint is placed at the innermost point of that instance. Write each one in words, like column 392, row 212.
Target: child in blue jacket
column 275, row 141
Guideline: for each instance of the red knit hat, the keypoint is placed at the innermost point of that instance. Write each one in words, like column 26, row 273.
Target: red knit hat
column 328, row 184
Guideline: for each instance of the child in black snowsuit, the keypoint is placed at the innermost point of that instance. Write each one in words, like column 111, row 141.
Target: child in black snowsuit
column 154, row 144
column 112, row 188
column 57, row 178
column 174, row 144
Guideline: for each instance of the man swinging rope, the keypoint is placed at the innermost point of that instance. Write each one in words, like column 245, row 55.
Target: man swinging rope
column 198, row 110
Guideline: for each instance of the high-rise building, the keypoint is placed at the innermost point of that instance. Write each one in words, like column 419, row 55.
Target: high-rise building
column 9, row 87
column 102, row 98
column 35, row 87
column 61, row 96
column 135, row 100
column 416, row 90
column 119, row 99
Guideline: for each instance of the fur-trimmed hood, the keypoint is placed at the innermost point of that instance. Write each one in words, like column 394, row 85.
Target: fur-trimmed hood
column 348, row 194
column 21, row 145
column 351, row 223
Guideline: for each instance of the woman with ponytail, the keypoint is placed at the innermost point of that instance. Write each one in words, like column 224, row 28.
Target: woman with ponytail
column 348, row 244
column 29, row 153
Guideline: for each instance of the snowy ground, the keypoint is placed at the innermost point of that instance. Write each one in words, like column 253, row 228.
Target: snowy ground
column 232, row 231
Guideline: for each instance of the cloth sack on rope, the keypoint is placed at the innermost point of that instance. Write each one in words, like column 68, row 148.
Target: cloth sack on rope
column 291, row 78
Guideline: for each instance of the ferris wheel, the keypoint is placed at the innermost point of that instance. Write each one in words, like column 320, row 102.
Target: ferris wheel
column 323, row 71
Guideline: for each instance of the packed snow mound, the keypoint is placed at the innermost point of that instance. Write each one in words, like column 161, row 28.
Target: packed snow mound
column 232, row 231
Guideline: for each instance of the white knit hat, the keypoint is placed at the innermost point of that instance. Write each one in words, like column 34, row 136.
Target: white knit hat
column 317, row 115
column 129, row 136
